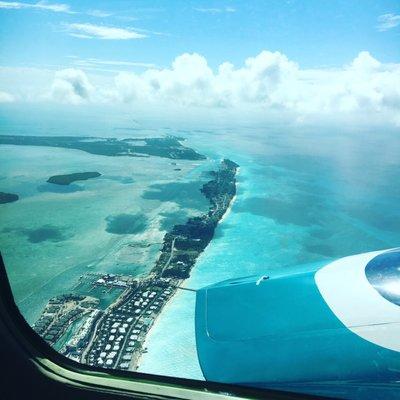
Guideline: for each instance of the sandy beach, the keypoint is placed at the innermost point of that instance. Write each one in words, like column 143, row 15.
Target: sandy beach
column 177, row 299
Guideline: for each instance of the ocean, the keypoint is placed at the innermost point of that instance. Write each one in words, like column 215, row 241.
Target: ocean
column 302, row 200
column 305, row 195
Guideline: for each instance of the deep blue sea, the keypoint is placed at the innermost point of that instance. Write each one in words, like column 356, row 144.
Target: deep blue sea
column 306, row 194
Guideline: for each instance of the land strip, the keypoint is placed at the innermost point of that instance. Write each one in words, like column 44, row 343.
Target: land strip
column 168, row 147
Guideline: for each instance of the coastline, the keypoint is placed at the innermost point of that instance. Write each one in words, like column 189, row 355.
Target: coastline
column 121, row 336
column 179, row 293
column 159, row 347
column 228, row 211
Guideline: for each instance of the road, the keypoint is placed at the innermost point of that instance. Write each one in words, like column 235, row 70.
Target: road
column 170, row 256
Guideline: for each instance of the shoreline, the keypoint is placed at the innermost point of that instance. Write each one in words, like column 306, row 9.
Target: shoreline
column 183, row 284
column 229, row 209
column 154, row 335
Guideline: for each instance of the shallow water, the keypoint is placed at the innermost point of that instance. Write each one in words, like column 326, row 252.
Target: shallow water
column 300, row 201
column 305, row 196
column 50, row 237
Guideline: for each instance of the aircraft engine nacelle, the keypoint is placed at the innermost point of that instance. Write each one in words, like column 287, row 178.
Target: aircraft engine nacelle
column 338, row 322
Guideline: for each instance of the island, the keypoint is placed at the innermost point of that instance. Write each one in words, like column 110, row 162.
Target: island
column 167, row 147
column 69, row 178
column 8, row 197
column 114, row 337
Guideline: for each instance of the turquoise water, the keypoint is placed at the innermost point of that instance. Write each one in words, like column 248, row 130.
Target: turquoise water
column 49, row 238
column 305, row 195
column 69, row 333
column 106, row 296
column 301, row 200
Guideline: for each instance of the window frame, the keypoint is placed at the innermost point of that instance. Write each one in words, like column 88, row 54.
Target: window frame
column 57, row 367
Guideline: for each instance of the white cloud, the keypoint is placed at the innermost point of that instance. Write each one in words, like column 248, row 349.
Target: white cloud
column 71, row 86
column 365, row 62
column 267, row 84
column 216, row 10
column 91, row 31
column 94, row 63
column 269, row 81
column 388, row 21
column 6, row 97
column 99, row 13
column 55, row 7
column 41, row 5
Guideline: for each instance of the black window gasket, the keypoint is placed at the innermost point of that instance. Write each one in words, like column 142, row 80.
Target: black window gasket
column 106, row 380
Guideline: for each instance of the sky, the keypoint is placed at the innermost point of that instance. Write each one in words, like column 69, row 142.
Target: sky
column 298, row 59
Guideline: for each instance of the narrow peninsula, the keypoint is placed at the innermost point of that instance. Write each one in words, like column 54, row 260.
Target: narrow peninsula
column 114, row 337
column 70, row 178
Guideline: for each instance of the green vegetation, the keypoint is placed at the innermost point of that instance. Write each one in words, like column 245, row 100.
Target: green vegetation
column 184, row 243
column 167, row 147
column 69, row 178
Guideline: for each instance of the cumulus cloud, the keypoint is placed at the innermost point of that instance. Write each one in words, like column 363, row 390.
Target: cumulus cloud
column 190, row 81
column 266, row 83
column 388, row 21
column 71, row 86
column 6, row 97
column 41, row 5
column 91, row 31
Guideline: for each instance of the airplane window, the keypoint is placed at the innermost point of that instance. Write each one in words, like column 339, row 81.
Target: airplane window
column 383, row 272
column 175, row 174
